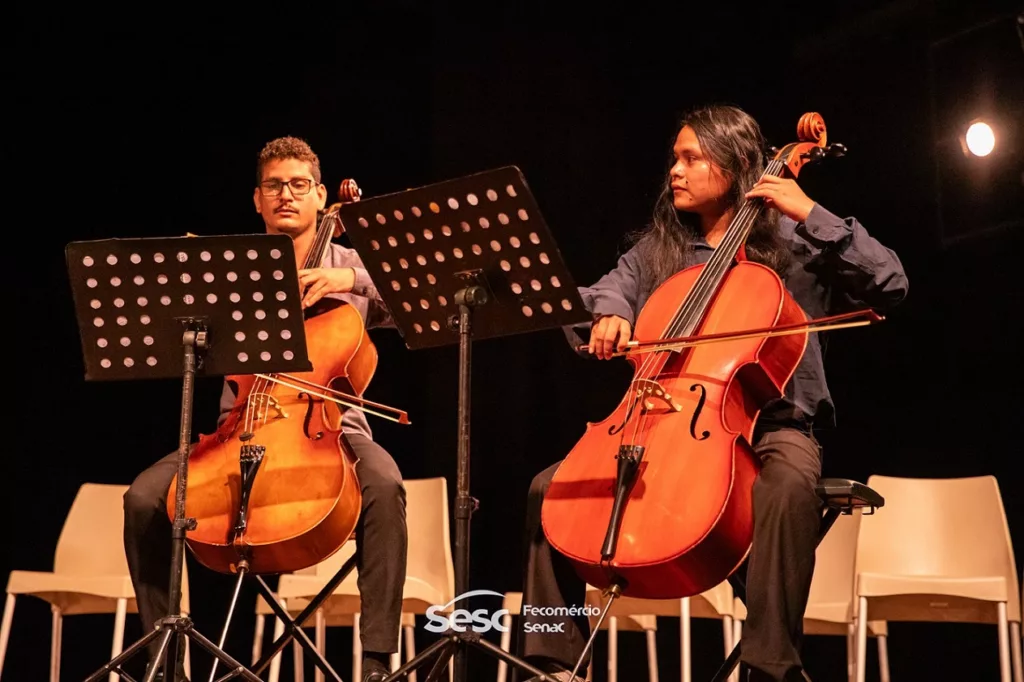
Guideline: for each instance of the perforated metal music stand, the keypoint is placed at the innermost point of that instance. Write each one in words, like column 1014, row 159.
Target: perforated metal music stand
column 457, row 261
column 223, row 305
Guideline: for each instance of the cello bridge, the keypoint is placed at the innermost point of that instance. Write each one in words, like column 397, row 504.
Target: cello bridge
column 276, row 405
column 265, row 403
column 650, row 391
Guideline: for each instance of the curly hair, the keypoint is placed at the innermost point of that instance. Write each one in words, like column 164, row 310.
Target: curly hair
column 287, row 148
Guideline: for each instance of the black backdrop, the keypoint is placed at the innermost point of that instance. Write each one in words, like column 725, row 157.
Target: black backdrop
column 146, row 125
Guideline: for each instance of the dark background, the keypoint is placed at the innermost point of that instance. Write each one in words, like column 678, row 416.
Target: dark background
column 130, row 125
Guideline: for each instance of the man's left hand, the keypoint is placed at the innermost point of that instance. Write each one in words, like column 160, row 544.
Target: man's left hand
column 317, row 282
column 785, row 195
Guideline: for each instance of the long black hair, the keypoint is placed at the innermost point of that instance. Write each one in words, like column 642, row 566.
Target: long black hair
column 732, row 140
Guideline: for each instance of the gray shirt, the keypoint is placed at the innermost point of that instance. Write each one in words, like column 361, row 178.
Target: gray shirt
column 836, row 266
column 365, row 298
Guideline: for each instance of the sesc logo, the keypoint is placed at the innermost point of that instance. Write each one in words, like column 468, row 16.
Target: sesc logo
column 460, row 618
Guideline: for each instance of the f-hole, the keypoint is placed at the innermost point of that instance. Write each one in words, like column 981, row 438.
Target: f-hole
column 310, row 406
column 696, row 413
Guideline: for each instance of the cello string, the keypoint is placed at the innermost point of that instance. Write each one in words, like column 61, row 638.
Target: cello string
column 705, row 283
column 718, row 263
column 744, row 220
column 701, row 291
column 705, row 286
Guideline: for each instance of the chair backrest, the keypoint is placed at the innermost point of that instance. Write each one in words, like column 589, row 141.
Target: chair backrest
column 92, row 539
column 832, row 582
column 91, row 543
column 430, row 545
column 429, row 555
column 952, row 527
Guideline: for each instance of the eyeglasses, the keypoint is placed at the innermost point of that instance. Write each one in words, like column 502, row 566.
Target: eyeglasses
column 298, row 187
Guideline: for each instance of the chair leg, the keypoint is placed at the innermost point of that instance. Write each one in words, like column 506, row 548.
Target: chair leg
column 851, row 645
column 188, row 659
column 410, row 648
column 118, row 644
column 275, row 665
column 737, row 633
column 321, row 643
column 396, row 658
column 684, row 639
column 613, row 649
column 862, row 639
column 506, row 643
column 257, row 636
column 1004, row 644
column 1015, row 651
column 883, row 658
column 298, row 661
column 728, row 636
column 55, row 631
column 357, row 648
column 652, row 655
column 5, row 629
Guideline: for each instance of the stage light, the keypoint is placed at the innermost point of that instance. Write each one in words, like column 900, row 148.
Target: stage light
column 977, row 117
column 980, row 139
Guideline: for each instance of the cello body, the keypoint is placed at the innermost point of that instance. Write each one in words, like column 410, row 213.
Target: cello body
column 305, row 499
column 656, row 501
column 275, row 486
column 688, row 522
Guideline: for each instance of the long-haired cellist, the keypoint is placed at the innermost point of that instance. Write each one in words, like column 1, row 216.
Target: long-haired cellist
column 828, row 264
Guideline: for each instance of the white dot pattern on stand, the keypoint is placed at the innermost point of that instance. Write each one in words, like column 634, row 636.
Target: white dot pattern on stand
column 470, row 225
column 190, row 281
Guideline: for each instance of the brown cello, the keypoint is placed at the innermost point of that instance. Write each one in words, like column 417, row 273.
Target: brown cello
column 275, row 485
column 655, row 501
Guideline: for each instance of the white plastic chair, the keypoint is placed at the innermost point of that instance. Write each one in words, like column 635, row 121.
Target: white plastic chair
column 716, row 603
column 830, row 603
column 938, row 551
column 90, row 573
column 429, row 576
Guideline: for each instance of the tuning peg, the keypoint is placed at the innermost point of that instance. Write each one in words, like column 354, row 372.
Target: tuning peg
column 835, row 150
column 772, row 151
column 814, row 154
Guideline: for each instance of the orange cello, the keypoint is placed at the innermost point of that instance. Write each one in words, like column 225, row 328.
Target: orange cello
column 275, row 485
column 656, row 500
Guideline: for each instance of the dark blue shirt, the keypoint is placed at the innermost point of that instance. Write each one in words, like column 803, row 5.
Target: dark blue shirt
column 835, row 267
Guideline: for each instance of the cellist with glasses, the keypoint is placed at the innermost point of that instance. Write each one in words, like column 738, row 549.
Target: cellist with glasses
column 828, row 265
column 288, row 196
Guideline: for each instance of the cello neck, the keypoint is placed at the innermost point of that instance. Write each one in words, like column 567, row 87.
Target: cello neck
column 321, row 243
column 692, row 310
column 329, row 221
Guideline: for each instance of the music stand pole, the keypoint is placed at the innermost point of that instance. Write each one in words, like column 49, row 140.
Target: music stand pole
column 478, row 243
column 193, row 339
column 174, row 307
column 467, row 299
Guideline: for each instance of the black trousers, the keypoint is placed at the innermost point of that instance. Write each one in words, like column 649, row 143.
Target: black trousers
column 787, row 516
column 381, row 542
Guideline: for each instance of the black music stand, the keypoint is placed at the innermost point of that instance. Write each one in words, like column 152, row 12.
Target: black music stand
column 458, row 261
column 227, row 305
column 838, row 496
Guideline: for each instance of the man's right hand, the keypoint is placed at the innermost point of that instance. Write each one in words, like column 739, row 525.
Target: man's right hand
column 609, row 334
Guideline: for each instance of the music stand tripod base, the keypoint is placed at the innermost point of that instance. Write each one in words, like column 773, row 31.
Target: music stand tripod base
column 456, row 262
column 156, row 308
